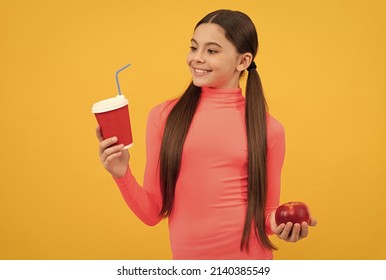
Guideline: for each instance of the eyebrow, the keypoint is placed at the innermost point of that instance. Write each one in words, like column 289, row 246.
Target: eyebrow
column 206, row 44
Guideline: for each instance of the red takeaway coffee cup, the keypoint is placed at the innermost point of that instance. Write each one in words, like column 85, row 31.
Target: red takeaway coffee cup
column 113, row 118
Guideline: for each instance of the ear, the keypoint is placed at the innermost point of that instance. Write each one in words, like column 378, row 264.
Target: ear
column 245, row 60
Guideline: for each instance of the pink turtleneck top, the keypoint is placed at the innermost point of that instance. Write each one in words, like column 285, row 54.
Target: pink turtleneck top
column 211, row 192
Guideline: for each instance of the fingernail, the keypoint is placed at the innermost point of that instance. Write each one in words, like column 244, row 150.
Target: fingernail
column 114, row 139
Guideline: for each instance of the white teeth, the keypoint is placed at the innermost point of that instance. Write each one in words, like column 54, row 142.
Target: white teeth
column 199, row 71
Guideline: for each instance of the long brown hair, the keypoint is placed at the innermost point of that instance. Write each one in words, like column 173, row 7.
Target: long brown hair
column 240, row 30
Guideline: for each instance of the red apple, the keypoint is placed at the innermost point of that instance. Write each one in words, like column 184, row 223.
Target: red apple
column 294, row 212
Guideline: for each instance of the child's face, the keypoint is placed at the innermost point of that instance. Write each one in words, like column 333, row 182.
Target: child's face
column 213, row 59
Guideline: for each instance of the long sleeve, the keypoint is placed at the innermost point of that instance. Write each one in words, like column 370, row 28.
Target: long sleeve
column 210, row 199
column 146, row 201
column 275, row 159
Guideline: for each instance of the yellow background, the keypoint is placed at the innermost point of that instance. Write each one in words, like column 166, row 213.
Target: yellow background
column 322, row 64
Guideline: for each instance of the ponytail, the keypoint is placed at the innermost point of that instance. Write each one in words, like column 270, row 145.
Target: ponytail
column 256, row 126
column 176, row 129
column 239, row 30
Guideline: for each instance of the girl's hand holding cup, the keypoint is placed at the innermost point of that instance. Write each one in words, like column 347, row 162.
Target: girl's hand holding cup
column 114, row 131
column 114, row 158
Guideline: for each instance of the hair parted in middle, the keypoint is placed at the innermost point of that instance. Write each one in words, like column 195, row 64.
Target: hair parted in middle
column 241, row 32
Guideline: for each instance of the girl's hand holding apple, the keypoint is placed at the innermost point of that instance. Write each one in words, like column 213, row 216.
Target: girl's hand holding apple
column 291, row 220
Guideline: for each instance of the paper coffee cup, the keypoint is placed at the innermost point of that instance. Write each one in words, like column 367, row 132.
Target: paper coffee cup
column 113, row 118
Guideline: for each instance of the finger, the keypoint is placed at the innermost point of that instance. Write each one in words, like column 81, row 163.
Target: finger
column 304, row 230
column 313, row 222
column 110, row 151
column 295, row 233
column 111, row 157
column 99, row 133
column 286, row 231
column 103, row 145
column 279, row 229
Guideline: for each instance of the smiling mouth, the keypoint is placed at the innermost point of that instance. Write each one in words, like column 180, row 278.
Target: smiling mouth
column 201, row 71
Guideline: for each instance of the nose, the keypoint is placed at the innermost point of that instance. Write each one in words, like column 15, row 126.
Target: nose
column 198, row 57
column 195, row 57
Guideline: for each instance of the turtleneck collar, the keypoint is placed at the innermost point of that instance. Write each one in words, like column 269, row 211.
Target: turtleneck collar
column 224, row 96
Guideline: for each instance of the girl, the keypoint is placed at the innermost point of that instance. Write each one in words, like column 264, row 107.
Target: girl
column 214, row 158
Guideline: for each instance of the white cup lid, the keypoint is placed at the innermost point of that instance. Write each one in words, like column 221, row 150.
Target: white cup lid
column 110, row 104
